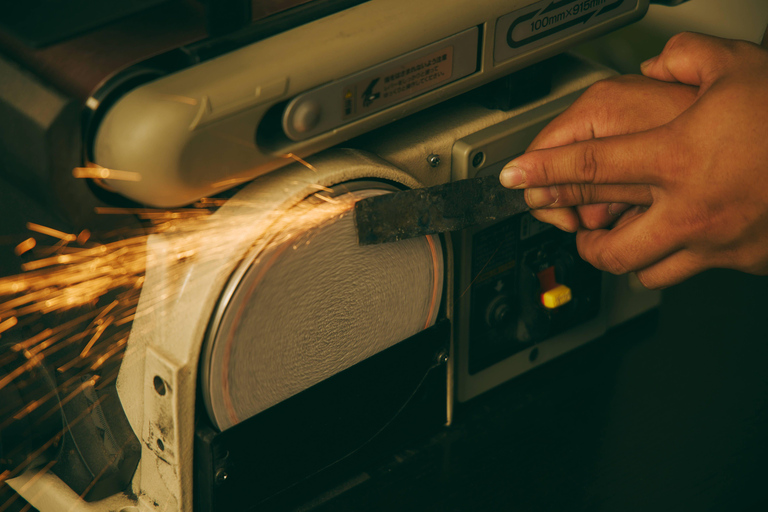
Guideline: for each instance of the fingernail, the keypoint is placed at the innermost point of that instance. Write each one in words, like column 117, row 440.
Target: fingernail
column 618, row 208
column 512, row 177
column 541, row 197
column 648, row 62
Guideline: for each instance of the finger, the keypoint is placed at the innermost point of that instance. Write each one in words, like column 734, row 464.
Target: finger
column 689, row 58
column 623, row 159
column 671, row 270
column 562, row 218
column 616, row 106
column 577, row 123
column 600, row 216
column 591, row 216
column 629, row 214
column 558, row 196
column 635, row 244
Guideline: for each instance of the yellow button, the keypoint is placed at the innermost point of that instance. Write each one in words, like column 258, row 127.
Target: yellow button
column 556, row 297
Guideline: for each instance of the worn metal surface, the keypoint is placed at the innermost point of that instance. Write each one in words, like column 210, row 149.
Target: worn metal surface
column 424, row 211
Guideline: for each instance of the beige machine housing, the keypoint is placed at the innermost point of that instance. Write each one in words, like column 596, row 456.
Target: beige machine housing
column 227, row 120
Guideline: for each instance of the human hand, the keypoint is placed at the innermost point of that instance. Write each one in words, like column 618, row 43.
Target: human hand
column 700, row 176
column 617, row 106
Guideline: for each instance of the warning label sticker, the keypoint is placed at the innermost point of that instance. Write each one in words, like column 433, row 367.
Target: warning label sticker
column 398, row 83
column 539, row 24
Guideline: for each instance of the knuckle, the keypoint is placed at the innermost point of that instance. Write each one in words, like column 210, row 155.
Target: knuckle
column 589, row 163
column 570, row 194
column 544, row 173
column 710, row 54
column 679, row 43
column 599, row 88
column 576, row 194
column 586, row 193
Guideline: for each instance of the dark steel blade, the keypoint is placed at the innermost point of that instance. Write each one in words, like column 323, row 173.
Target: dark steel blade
column 424, row 211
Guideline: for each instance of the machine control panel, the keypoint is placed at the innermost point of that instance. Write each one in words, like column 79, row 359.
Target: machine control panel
column 529, row 285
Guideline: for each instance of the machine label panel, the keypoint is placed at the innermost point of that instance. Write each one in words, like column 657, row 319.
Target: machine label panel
column 371, row 90
column 549, row 20
column 399, row 82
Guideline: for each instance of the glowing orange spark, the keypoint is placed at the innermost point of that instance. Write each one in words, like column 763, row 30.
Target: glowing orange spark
column 7, row 324
column 229, row 183
column 318, row 186
column 106, row 279
column 327, row 199
column 19, row 371
column 99, row 332
column 55, row 233
column 102, row 173
column 149, row 213
column 205, row 202
column 87, row 384
column 301, row 161
column 83, row 236
column 25, row 246
column 24, row 345
column 114, row 350
column 125, row 320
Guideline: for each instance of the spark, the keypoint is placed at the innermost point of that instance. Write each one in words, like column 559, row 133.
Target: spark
column 26, row 245
column 98, row 172
column 327, row 199
column 55, row 233
column 318, row 186
column 99, row 331
column 301, row 161
column 25, row 345
column 7, row 324
column 72, row 309
column 83, row 237
column 229, row 183
column 206, row 202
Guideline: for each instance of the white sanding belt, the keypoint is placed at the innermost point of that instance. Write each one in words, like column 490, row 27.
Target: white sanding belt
column 306, row 311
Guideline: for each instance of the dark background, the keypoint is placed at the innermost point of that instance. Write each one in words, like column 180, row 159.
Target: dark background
column 672, row 419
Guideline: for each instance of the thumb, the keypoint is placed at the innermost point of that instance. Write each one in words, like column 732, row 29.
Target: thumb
column 689, row 58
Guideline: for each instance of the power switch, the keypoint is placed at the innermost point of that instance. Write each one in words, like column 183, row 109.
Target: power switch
column 553, row 294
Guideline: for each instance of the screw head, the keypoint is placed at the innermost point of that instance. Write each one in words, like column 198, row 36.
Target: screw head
column 478, row 159
column 433, row 160
column 221, row 476
column 442, row 357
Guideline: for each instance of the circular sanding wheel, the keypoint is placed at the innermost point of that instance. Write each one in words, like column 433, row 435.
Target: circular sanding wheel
column 307, row 308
